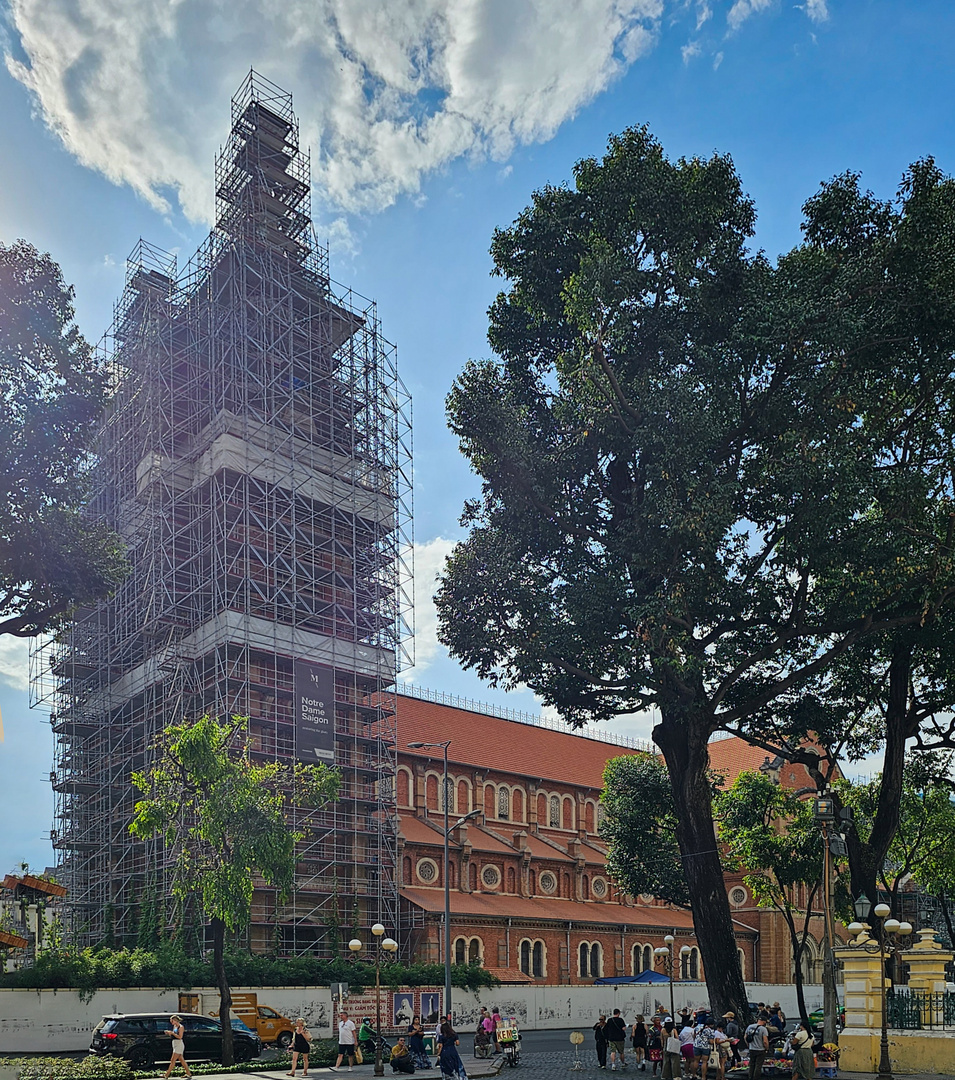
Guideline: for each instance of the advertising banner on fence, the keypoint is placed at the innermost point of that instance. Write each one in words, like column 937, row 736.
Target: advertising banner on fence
column 314, row 712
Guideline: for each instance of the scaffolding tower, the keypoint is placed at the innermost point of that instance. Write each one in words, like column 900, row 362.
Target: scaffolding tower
column 256, row 460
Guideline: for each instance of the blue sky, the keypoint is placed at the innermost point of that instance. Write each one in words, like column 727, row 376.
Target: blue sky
column 430, row 123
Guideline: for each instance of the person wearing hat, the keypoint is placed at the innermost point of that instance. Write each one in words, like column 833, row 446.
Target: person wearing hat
column 178, row 1033
column 671, row 1051
column 733, row 1033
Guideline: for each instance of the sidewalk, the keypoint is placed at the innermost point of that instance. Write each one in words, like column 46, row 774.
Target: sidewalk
column 474, row 1067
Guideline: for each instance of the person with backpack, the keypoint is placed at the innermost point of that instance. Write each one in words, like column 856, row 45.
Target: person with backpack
column 757, row 1042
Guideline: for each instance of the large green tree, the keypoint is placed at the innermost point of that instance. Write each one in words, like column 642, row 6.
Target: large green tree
column 53, row 389
column 223, row 818
column 706, row 477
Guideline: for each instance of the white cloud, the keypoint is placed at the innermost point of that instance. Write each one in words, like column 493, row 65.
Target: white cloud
column 428, row 562
column 817, row 10
column 742, row 9
column 690, row 50
column 717, row 60
column 704, row 14
column 388, row 92
column 15, row 662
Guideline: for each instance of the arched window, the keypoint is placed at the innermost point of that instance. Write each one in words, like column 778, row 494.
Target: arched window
column 554, row 812
column 464, row 797
column 589, row 817
column 472, row 876
column 474, row 950
column 503, row 803
column 538, row 959
column 460, row 950
column 511, row 880
column 648, row 958
column 584, row 964
column 517, row 805
column 431, row 792
column 489, row 801
column 541, row 810
column 742, row 962
column 406, row 867
column 447, row 788
column 450, row 875
column 526, row 956
column 690, row 964
column 596, row 960
column 636, row 959
column 586, row 887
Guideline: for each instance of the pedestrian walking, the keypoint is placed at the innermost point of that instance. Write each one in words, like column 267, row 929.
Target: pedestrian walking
column 655, row 1046
column 733, row 1031
column 449, row 1060
column 617, row 1038
column 178, row 1033
column 419, row 1053
column 638, row 1039
column 600, row 1038
column 301, row 1040
column 346, row 1040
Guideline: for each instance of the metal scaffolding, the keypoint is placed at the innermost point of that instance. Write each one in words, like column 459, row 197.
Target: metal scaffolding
column 256, row 460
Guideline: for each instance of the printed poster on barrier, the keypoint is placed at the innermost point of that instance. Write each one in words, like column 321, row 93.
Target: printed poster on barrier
column 314, row 712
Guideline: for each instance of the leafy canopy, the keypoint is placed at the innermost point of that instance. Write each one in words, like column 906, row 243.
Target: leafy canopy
column 223, row 814
column 53, row 389
column 705, row 477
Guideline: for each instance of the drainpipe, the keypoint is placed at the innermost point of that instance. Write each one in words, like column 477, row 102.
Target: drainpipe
column 569, row 961
column 507, row 945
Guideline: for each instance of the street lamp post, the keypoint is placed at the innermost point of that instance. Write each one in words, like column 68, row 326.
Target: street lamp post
column 666, row 954
column 390, row 946
column 892, row 930
column 443, row 746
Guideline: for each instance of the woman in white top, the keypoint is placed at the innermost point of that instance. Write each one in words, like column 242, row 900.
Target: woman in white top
column 178, row 1034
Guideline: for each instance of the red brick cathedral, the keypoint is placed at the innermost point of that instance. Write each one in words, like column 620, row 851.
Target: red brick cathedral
column 530, row 895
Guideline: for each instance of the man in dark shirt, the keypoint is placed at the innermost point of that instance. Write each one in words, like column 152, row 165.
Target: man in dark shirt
column 617, row 1037
column 600, row 1037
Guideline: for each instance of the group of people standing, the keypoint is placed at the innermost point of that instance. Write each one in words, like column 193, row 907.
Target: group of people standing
column 698, row 1042
column 409, row 1052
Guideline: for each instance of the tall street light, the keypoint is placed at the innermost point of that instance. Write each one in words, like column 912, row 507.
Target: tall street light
column 887, row 928
column 443, row 746
column 666, row 953
column 390, row 946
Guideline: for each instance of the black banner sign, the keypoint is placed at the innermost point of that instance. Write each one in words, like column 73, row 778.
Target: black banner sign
column 314, row 712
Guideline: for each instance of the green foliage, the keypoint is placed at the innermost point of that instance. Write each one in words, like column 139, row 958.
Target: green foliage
column 91, row 969
column 771, row 835
column 239, row 827
column 53, row 388
column 639, row 825
column 61, row 1068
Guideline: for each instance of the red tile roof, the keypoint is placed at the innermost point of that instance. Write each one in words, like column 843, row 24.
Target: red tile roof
column 510, row 975
column 506, row 746
column 524, row 907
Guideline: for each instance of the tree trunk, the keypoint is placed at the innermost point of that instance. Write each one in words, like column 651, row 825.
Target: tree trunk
column 683, row 741
column 798, row 947
column 225, row 991
column 866, row 859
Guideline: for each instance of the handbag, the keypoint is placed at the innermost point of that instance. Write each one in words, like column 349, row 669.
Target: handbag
column 714, row 1060
column 674, row 1046
column 359, row 1058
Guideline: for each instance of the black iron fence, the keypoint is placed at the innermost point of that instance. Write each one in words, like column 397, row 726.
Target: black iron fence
column 920, row 1010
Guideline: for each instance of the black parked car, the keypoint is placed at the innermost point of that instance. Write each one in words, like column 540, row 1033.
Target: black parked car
column 139, row 1038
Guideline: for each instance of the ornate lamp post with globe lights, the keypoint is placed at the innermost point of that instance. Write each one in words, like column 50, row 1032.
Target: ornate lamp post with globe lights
column 665, row 952
column 390, row 946
column 890, row 935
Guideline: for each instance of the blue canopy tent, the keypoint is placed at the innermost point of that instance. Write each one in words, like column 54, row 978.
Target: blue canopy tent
column 643, row 977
